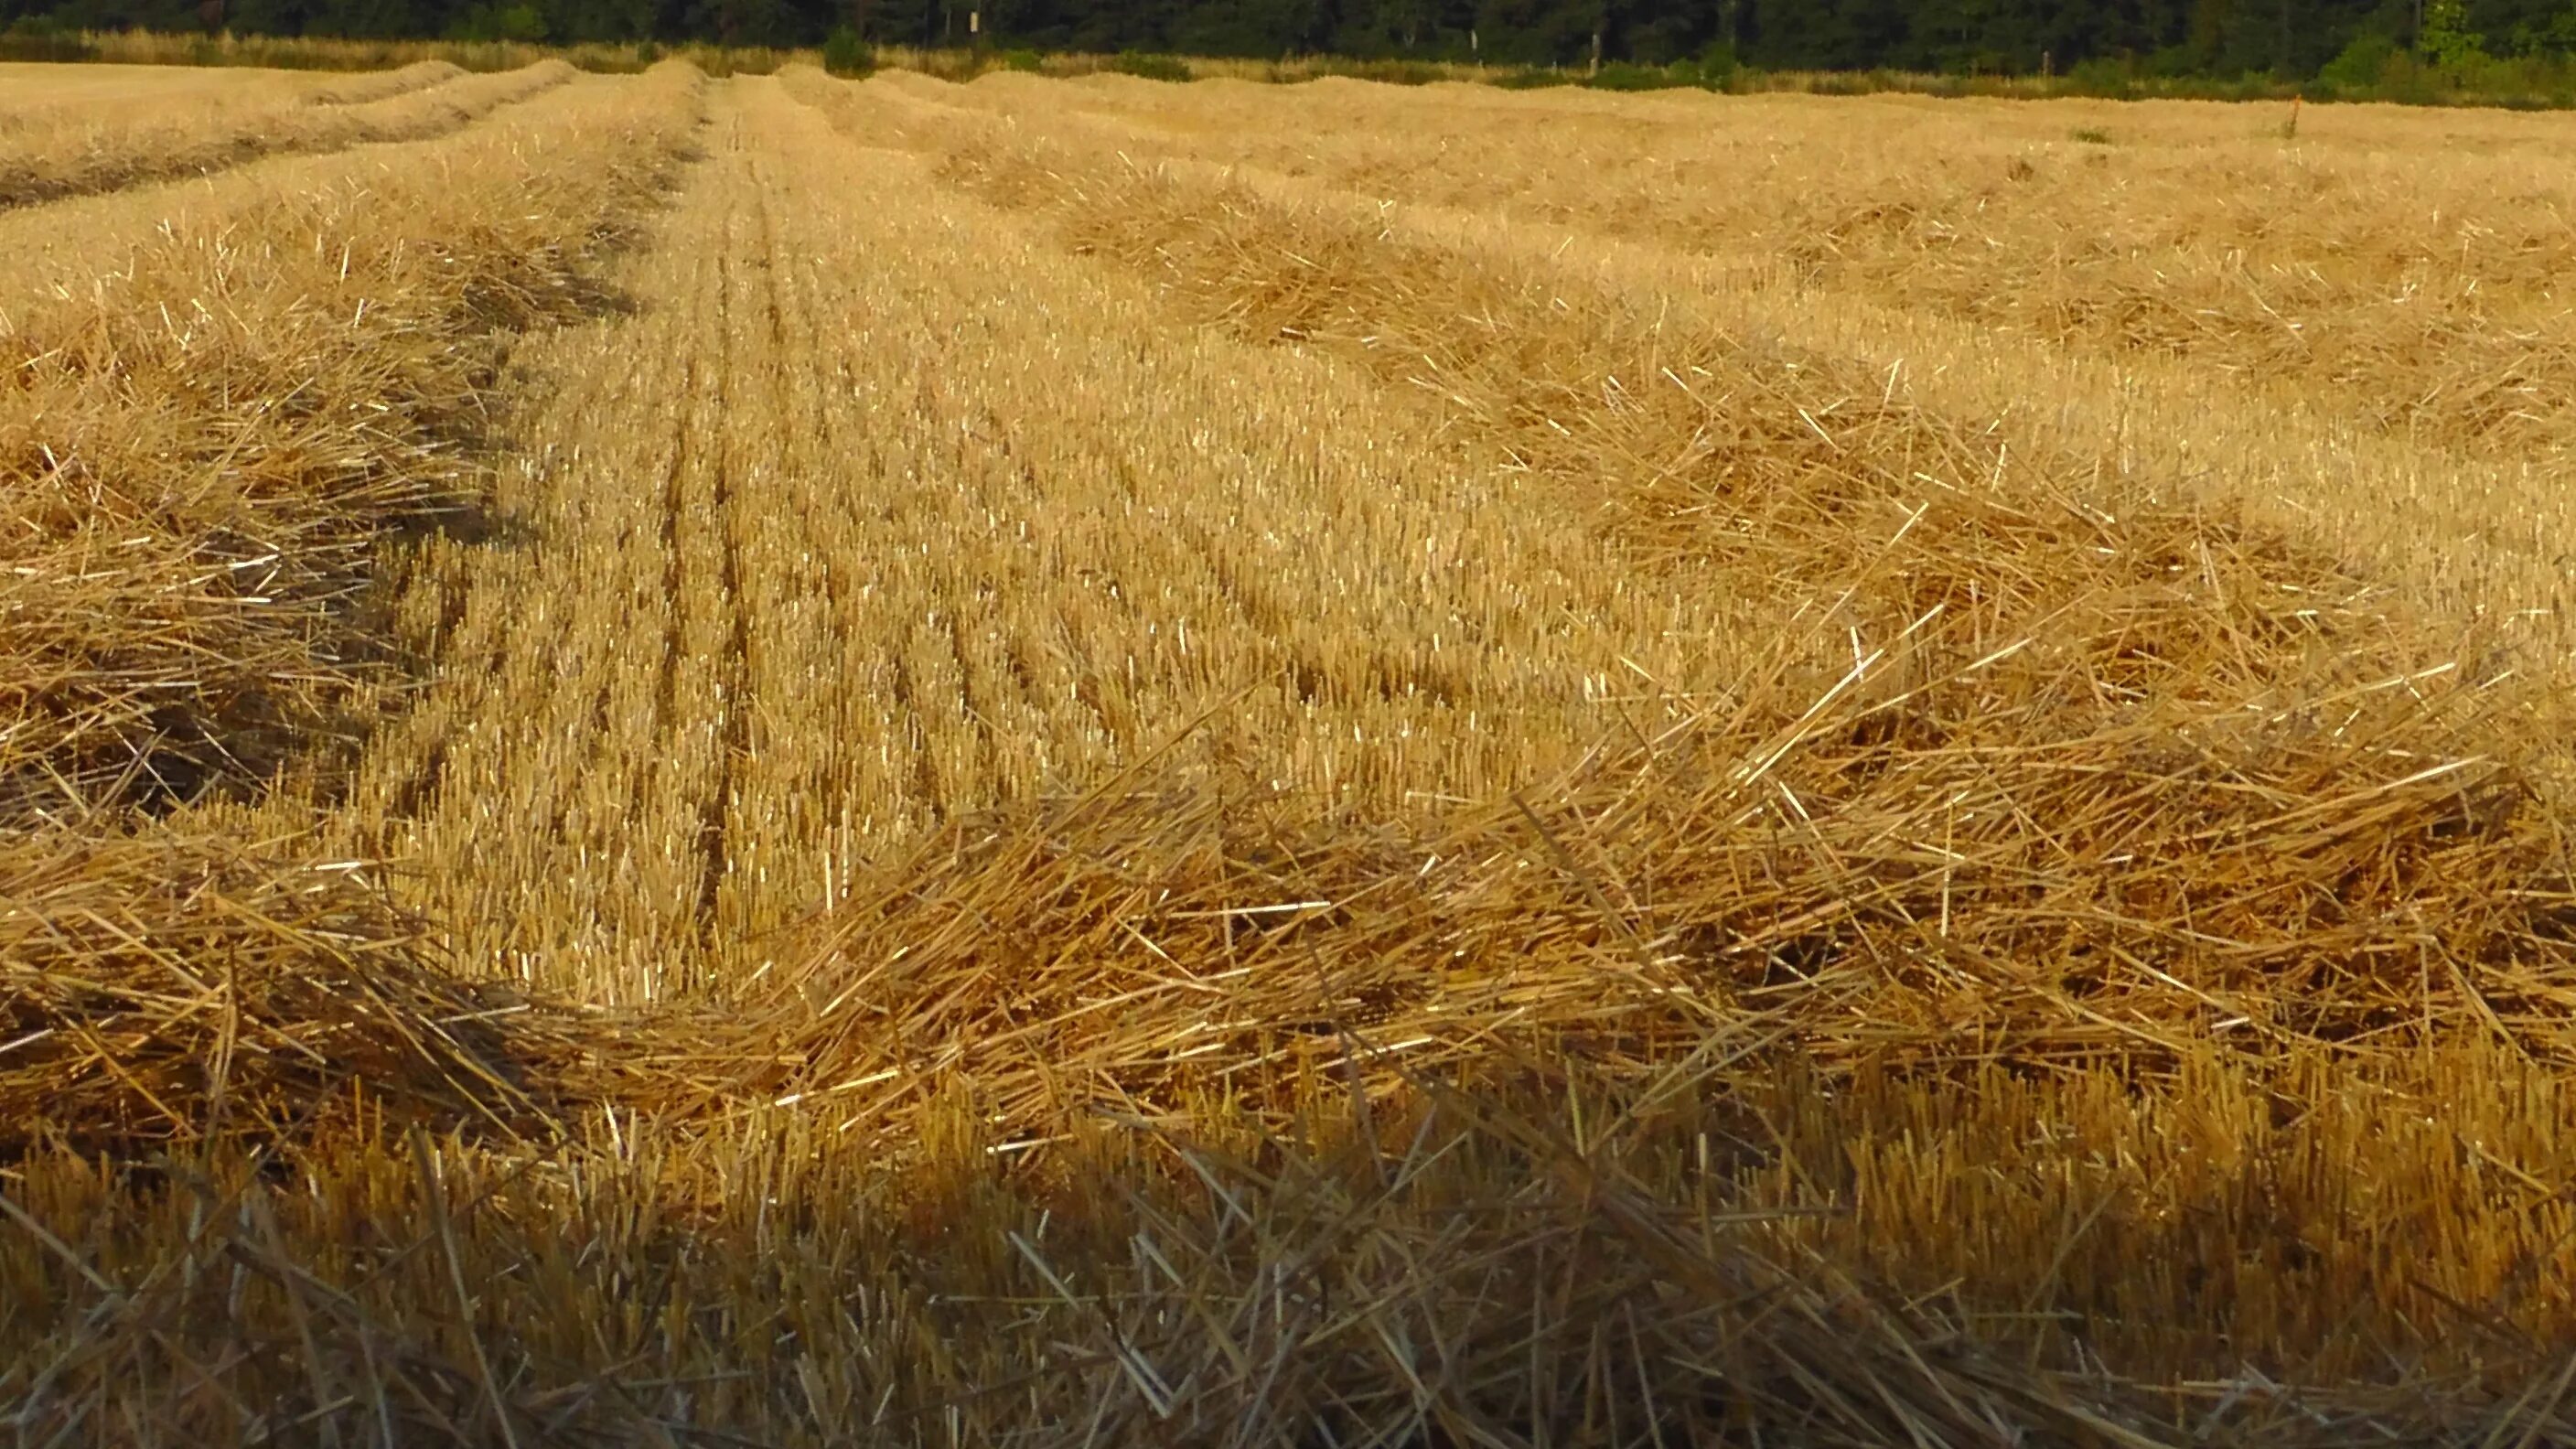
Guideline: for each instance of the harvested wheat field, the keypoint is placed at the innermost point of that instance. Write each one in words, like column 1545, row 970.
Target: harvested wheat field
column 792, row 761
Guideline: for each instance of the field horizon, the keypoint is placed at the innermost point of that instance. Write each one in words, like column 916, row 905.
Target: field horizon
column 2526, row 82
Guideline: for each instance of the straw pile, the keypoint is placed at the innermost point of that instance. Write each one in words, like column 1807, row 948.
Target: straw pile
column 2432, row 351
column 74, row 152
column 354, row 90
column 164, row 992
column 159, row 990
column 1860, row 877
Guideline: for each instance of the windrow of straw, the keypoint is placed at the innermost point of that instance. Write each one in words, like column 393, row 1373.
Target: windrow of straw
column 2438, row 319
column 158, row 990
column 2436, row 353
column 2274, row 898
column 420, row 75
column 169, row 992
column 198, row 461
column 74, row 152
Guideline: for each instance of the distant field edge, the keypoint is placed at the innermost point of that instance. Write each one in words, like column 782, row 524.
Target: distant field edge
column 2524, row 85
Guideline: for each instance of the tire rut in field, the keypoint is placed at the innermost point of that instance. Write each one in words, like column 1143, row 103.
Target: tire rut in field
column 750, row 287
column 706, row 712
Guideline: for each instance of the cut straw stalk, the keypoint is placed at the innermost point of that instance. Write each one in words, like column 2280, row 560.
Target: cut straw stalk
column 1502, row 1263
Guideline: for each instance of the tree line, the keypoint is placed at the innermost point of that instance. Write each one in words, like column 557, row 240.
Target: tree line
column 2284, row 38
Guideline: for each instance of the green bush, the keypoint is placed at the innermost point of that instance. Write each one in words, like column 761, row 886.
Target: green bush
column 845, row 54
column 1396, row 72
column 1531, row 78
column 2103, row 76
column 2375, row 67
column 1619, row 75
column 2359, row 68
column 1026, row 60
column 39, row 37
column 1150, row 67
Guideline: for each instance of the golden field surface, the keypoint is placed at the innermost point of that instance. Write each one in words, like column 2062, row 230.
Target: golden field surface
column 25, row 85
column 795, row 761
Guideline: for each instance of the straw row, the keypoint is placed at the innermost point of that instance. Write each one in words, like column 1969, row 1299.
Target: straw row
column 162, row 990
column 206, row 454
column 72, row 151
column 354, row 90
column 2435, row 317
